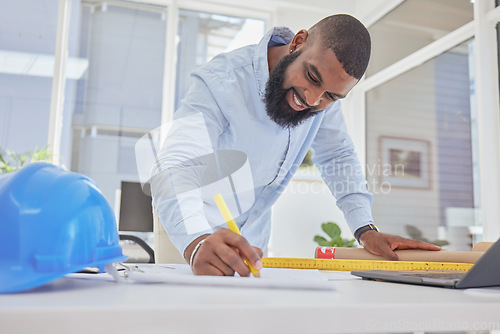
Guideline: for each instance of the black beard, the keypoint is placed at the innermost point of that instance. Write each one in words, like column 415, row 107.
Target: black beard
column 276, row 104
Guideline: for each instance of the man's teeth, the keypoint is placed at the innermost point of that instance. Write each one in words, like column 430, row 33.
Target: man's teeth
column 297, row 101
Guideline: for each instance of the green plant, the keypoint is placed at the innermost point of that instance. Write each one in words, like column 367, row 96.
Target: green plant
column 11, row 161
column 333, row 231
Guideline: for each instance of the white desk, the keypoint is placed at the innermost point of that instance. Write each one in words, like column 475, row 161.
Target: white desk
column 71, row 305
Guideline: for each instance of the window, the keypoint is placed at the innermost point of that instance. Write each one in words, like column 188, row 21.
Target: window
column 119, row 98
column 203, row 36
column 422, row 148
column 27, row 41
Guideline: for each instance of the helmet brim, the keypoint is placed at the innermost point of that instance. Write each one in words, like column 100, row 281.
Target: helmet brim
column 27, row 278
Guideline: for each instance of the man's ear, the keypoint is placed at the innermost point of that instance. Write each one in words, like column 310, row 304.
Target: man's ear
column 299, row 39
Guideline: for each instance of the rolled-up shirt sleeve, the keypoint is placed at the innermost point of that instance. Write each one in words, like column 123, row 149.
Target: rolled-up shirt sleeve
column 175, row 178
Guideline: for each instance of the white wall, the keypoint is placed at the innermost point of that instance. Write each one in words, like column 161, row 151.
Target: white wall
column 297, row 218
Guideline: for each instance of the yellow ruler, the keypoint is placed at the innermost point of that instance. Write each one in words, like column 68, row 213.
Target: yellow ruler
column 348, row 265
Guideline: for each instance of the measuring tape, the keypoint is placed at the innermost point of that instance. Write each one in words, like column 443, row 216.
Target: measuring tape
column 348, row 265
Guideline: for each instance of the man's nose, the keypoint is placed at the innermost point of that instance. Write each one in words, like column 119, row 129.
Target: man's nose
column 313, row 97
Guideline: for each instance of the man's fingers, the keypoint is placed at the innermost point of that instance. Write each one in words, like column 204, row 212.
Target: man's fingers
column 416, row 244
column 232, row 259
column 386, row 251
column 222, row 266
column 245, row 249
column 390, row 255
column 259, row 251
column 208, row 269
column 427, row 246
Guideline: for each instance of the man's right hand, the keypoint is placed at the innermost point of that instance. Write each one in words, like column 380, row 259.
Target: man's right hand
column 221, row 254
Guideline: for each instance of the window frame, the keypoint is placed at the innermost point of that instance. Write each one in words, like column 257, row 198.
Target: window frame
column 171, row 8
column 482, row 29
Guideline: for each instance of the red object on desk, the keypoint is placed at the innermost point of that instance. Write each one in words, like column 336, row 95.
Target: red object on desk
column 325, row 252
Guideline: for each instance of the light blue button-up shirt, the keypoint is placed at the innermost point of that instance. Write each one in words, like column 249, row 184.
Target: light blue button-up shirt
column 225, row 110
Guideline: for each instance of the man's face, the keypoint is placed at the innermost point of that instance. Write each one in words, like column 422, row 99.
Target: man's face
column 305, row 82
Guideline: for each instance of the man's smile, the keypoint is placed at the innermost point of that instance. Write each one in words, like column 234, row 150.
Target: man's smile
column 295, row 102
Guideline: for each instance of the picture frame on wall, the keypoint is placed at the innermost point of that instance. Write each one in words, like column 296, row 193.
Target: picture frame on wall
column 405, row 162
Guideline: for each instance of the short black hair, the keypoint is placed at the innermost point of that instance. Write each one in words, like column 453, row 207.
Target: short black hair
column 348, row 39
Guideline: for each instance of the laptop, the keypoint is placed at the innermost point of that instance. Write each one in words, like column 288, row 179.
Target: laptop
column 486, row 272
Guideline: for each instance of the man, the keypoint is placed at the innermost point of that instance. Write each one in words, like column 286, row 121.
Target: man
column 272, row 101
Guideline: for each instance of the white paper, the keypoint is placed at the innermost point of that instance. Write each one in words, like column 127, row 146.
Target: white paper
column 271, row 278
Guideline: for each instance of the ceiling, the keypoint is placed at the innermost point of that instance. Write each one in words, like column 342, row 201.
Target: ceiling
column 324, row 6
column 441, row 15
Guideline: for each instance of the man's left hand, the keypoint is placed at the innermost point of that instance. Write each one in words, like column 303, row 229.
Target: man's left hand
column 384, row 244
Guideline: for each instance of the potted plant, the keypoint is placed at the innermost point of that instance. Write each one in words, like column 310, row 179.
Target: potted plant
column 333, row 231
column 11, row 161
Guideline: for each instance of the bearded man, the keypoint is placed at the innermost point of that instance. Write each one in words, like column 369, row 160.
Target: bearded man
column 271, row 102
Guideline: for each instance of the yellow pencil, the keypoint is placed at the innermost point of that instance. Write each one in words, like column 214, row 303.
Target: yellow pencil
column 232, row 226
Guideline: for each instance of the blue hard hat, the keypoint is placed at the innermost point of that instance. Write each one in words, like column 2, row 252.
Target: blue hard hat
column 52, row 222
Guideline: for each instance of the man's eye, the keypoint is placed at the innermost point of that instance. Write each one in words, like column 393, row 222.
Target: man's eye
column 313, row 79
column 332, row 97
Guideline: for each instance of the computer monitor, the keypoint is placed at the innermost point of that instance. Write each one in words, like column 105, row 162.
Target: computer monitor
column 136, row 213
column 136, row 219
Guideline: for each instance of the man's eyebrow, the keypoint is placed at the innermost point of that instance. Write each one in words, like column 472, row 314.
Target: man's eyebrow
column 316, row 72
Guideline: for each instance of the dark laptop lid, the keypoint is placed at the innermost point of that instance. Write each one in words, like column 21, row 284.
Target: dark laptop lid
column 486, row 271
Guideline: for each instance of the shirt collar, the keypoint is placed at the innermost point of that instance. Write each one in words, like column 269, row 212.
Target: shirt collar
column 260, row 65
